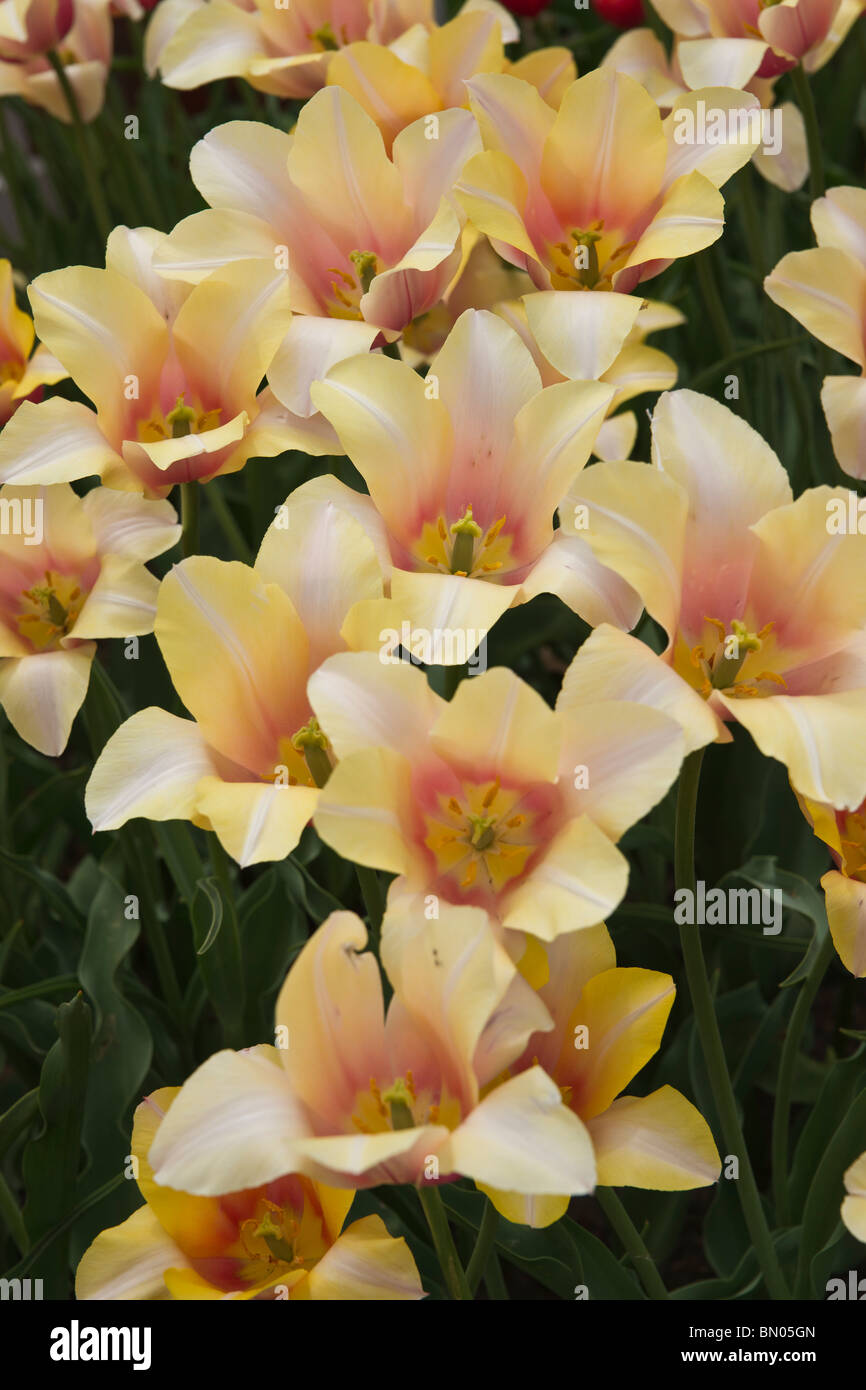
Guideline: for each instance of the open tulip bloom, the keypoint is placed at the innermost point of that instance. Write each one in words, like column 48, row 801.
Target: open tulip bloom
column 599, row 194
column 483, row 455
column 359, row 1096
column 747, row 584
column 249, row 762
column 391, row 906
column 71, row 571
column 286, row 1238
column 825, row 290
column 493, row 799
column 368, row 236
column 173, row 373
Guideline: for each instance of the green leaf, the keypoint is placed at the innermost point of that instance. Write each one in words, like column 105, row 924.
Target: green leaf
column 843, row 1081
column 50, row 889
column 51, row 1161
column 603, row 1274
column 122, row 1044
column 215, row 934
column 17, row 1118
column 827, row 1190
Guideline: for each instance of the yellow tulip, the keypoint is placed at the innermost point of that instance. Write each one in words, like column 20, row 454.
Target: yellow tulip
column 283, row 1239
column 854, row 1205
column 173, row 373
column 601, row 194
column 355, row 1097
column 23, row 372
column 825, row 290
column 762, row 598
column 607, row 1024
column 239, row 644
column 71, row 571
column 493, row 799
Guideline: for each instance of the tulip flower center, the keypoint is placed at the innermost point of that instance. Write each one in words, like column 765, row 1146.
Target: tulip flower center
column 50, row 610
column 324, row 39
column 349, row 286
column 464, row 547
column 10, row 371
column 180, row 421
column 852, row 828
column 401, row 1106
column 589, row 261
column 481, row 837
column 721, row 663
column 313, row 745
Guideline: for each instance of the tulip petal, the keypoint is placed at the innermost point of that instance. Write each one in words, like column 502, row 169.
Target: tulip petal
column 366, row 1263
column 150, row 767
column 364, row 703
column 581, row 334
column 580, row 881
column 821, row 739
column 56, row 441
column 825, row 290
column 235, row 1124
column 499, row 724
column 844, row 401
column 255, row 822
column 521, row 1138
column 659, row 1141
column 41, row 694
column 569, row 569
column 846, row 914
column 128, row 1261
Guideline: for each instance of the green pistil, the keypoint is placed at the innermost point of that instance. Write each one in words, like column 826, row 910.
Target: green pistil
column 399, row 1098
column 313, row 744
column 727, row 668
column 365, row 264
column 466, row 532
column 588, row 274
column 326, row 38
column 180, row 419
column 483, row 831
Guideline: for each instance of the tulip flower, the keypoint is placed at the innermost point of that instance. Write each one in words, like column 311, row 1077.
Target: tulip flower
column 854, row 1205
column 761, row 598
column 573, row 219
column 465, row 469
column 782, row 159
column 607, row 1024
column 825, row 290
column 280, row 48
column 565, row 335
column 425, row 71
column 748, row 38
column 284, row 1239
column 493, row 799
column 239, row 644
column 367, row 236
column 23, row 372
column 79, row 31
column 173, row 374
column 71, row 571
column 356, row 1096
column 844, row 833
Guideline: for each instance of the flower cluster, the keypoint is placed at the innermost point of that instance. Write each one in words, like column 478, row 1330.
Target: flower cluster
column 403, row 822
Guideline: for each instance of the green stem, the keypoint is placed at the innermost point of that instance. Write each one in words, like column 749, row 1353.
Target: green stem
column 60, row 984
column 713, row 302
column 788, row 1062
column 743, row 355
column 803, row 93
column 10, row 1216
column 477, row 1266
column 631, row 1241
column 494, row 1281
column 189, row 512
column 710, row 1037
column 443, row 1241
column 230, row 529
column 98, row 205
column 374, row 901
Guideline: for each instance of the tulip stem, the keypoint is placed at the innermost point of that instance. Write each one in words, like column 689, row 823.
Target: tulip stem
column 803, row 93
column 787, row 1064
column 710, row 1037
column 443, row 1241
column 632, row 1242
column 477, row 1266
column 371, row 892
column 98, row 205
column 189, row 512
